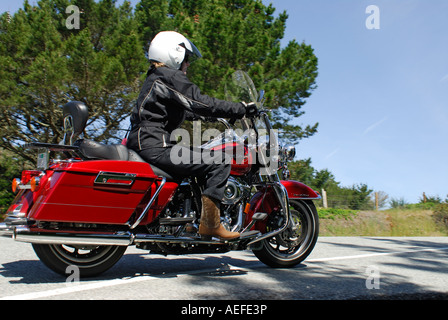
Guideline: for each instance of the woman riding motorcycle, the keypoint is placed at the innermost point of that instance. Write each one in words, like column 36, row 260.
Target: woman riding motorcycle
column 166, row 99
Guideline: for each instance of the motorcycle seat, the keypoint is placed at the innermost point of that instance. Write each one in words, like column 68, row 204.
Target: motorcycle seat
column 93, row 150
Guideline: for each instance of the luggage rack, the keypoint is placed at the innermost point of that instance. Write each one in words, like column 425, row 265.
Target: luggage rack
column 43, row 150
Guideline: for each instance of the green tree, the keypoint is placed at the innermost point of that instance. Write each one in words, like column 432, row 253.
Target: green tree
column 43, row 65
column 324, row 179
column 302, row 171
column 10, row 167
column 356, row 197
column 360, row 197
column 241, row 34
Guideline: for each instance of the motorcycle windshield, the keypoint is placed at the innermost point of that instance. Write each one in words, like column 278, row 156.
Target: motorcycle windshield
column 267, row 145
column 241, row 88
column 256, row 133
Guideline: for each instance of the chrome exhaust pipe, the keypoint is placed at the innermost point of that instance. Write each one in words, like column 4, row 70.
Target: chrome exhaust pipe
column 42, row 236
column 72, row 237
column 5, row 230
column 169, row 239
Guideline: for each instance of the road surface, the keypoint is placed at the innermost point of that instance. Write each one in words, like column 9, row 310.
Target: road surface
column 339, row 268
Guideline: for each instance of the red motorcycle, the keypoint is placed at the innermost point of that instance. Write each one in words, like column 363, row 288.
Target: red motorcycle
column 91, row 201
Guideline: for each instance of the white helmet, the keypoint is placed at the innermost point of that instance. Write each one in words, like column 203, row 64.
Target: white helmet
column 171, row 48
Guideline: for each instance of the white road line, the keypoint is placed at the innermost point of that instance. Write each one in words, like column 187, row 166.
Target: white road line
column 360, row 256
column 72, row 288
column 77, row 287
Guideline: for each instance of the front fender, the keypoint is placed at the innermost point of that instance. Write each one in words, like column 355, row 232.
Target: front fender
column 298, row 190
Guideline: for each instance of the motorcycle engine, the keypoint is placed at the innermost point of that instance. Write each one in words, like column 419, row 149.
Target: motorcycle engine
column 233, row 191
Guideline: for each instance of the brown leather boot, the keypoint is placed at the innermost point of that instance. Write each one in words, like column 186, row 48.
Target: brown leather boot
column 210, row 225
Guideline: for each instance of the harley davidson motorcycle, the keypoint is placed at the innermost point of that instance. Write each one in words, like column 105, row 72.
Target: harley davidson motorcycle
column 86, row 204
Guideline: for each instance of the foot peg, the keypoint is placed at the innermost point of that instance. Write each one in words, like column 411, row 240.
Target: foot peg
column 249, row 234
column 258, row 216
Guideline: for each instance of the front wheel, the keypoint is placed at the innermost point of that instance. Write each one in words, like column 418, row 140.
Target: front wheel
column 292, row 246
column 91, row 260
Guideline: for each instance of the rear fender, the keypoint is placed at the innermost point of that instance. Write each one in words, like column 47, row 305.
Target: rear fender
column 18, row 211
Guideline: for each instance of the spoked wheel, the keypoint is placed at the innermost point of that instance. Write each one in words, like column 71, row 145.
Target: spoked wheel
column 91, row 260
column 295, row 244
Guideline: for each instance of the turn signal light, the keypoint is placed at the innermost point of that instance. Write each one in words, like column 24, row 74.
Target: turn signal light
column 28, row 174
column 15, row 184
column 34, row 183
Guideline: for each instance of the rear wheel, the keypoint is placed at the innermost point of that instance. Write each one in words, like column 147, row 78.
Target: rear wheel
column 90, row 260
column 292, row 246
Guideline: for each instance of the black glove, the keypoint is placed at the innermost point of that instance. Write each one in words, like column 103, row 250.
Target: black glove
column 209, row 119
column 202, row 118
column 251, row 109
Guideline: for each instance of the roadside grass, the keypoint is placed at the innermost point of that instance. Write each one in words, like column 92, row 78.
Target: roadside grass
column 402, row 222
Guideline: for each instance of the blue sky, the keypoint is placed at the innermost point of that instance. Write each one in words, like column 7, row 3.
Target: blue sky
column 382, row 95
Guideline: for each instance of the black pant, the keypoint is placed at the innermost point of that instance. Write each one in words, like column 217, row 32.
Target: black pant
column 214, row 175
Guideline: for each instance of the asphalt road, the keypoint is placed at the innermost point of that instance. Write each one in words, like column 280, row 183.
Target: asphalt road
column 340, row 268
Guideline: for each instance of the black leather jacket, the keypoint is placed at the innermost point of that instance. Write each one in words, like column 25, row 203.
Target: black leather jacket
column 167, row 98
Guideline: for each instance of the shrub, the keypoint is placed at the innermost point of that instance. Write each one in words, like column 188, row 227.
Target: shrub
column 441, row 215
column 398, row 203
column 333, row 213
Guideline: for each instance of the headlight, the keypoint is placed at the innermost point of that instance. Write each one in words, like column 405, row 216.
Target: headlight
column 289, row 152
